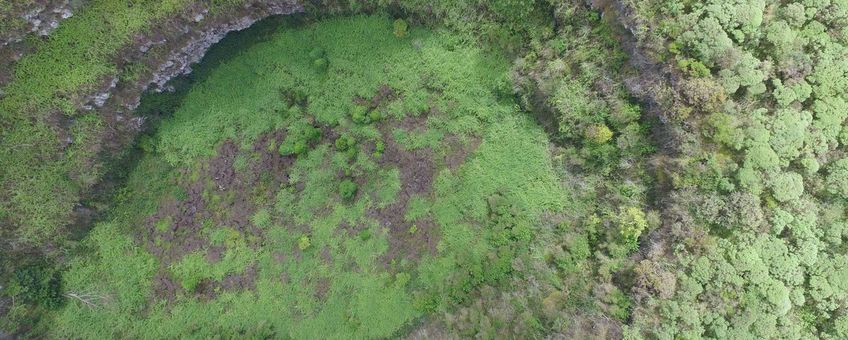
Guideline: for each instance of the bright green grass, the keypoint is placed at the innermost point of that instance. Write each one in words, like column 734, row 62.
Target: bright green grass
column 240, row 100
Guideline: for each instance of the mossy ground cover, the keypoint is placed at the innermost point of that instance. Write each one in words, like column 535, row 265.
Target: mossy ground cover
column 336, row 181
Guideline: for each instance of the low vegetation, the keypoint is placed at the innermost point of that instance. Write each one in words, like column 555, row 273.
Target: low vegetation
column 334, row 238
column 654, row 169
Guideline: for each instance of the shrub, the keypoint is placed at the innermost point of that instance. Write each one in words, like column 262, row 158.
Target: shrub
column 299, row 136
column 37, row 284
column 262, row 219
column 320, row 64
column 379, row 148
column 598, row 134
column 359, row 115
column 319, row 59
column 303, row 242
column 375, row 116
column 400, row 28
column 347, row 189
column 632, row 222
column 344, row 142
column 693, row 67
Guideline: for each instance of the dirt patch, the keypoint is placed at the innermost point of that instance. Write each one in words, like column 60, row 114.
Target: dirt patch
column 322, row 287
column 384, row 94
column 221, row 197
column 351, row 230
column 421, row 237
column 240, row 281
column 458, row 151
column 209, row 289
column 408, row 240
column 221, row 168
column 326, row 256
column 164, row 286
column 417, row 167
column 175, row 230
column 279, row 257
column 214, row 254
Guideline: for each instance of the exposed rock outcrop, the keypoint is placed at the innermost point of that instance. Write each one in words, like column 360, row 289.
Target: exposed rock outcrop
column 170, row 48
column 39, row 17
column 19, row 19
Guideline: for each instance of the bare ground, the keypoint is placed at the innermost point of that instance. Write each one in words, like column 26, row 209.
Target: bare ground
column 220, row 197
column 411, row 240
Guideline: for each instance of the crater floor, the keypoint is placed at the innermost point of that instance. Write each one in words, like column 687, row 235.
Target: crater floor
column 341, row 179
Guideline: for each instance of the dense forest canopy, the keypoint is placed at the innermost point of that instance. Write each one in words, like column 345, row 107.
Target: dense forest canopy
column 655, row 169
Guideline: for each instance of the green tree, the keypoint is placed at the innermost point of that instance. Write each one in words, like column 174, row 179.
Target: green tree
column 837, row 178
column 598, row 134
column 632, row 221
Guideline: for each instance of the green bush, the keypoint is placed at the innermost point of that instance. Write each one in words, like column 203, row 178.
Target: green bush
column 375, row 116
column 300, row 135
column 693, row 67
column 37, row 284
column 319, row 60
column 359, row 115
column 320, row 64
column 787, row 186
column 837, row 178
column 598, row 134
column 344, row 142
column 303, row 242
column 632, row 221
column 379, row 148
column 400, row 28
column 348, row 189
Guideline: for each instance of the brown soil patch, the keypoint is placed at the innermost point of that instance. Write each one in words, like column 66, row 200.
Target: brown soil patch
column 182, row 234
column 221, row 168
column 326, row 256
column 208, row 289
column 164, row 286
column 240, row 281
column 459, row 151
column 279, row 257
column 214, row 254
column 406, row 244
column 235, row 194
column 410, row 240
column 384, row 93
column 417, row 172
column 351, row 230
column 322, row 287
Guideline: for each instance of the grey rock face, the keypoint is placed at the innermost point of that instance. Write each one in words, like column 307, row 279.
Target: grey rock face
column 40, row 17
column 180, row 61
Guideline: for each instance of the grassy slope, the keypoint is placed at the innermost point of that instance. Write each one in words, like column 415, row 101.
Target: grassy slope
column 38, row 192
column 241, row 100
